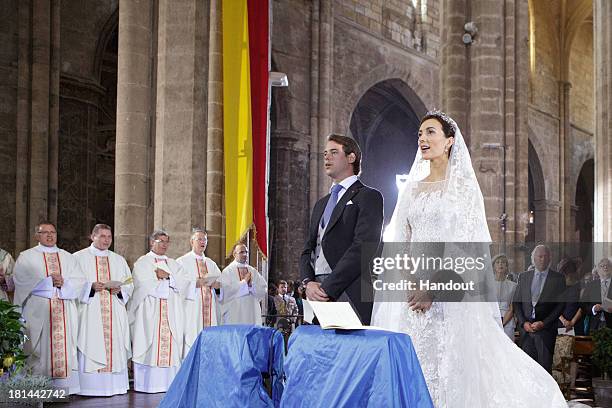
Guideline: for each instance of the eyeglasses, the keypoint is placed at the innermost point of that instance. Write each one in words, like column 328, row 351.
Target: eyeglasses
column 47, row 232
column 161, row 241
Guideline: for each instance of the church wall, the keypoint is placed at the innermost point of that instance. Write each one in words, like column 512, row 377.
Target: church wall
column 81, row 96
column 581, row 76
column 362, row 60
column 290, row 137
column 544, row 89
column 81, row 25
column 399, row 21
column 545, row 130
column 9, row 53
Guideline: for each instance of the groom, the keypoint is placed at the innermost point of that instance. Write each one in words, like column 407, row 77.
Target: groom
column 345, row 230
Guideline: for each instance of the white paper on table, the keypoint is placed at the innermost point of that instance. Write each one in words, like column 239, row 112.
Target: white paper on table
column 337, row 315
column 308, row 312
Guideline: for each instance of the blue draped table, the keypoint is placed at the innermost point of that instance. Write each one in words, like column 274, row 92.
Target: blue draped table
column 352, row 368
column 224, row 369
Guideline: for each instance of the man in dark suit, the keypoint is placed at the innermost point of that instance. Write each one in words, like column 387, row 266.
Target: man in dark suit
column 593, row 297
column 537, row 306
column 345, row 229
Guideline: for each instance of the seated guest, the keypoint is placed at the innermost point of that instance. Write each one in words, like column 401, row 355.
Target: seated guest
column 243, row 289
column 505, row 294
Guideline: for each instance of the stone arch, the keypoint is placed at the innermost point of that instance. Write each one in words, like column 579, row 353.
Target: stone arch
column 109, row 30
column 581, row 12
column 584, row 200
column 415, row 92
column 385, row 123
column 536, row 198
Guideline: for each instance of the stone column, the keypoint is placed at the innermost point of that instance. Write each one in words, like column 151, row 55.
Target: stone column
column 455, row 63
column 180, row 138
column 215, row 221
column 43, row 117
column 23, row 232
column 602, row 15
column 496, row 88
column 132, row 184
column 326, row 57
column 565, row 148
column 54, row 90
column 546, row 214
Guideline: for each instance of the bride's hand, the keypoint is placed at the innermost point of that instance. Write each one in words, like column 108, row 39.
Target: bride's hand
column 419, row 301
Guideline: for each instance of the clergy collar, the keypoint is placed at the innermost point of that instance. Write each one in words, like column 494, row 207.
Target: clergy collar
column 200, row 257
column 154, row 255
column 49, row 250
column 97, row 252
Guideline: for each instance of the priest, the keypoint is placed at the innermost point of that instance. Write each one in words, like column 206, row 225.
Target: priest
column 201, row 299
column 103, row 341
column 47, row 283
column 243, row 290
column 156, row 317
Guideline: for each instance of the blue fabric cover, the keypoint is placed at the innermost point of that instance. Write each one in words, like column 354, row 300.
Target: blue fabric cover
column 352, row 368
column 224, row 366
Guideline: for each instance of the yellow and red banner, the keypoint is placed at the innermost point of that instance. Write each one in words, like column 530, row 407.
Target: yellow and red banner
column 246, row 64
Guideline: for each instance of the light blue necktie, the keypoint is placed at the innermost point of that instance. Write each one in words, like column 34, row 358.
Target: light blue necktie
column 536, row 287
column 331, row 203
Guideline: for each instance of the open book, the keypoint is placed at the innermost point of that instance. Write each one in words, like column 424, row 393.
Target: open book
column 334, row 315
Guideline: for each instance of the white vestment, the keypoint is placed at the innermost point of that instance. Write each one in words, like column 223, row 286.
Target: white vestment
column 201, row 304
column 7, row 263
column 50, row 313
column 156, row 323
column 240, row 304
column 103, row 341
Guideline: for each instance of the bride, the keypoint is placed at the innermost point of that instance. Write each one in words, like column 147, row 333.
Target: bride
column 466, row 358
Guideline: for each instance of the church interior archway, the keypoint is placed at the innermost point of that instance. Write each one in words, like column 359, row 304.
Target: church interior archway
column 385, row 123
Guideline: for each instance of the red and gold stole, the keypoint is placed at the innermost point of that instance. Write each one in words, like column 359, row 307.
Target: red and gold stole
column 106, row 311
column 205, row 294
column 164, row 336
column 57, row 322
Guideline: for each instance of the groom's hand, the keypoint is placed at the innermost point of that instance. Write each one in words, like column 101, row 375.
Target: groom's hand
column 315, row 292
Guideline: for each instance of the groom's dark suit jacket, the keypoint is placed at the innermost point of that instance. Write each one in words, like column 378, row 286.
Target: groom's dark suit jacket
column 352, row 234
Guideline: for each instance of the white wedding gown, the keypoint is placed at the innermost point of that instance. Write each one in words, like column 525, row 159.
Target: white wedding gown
column 467, row 359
